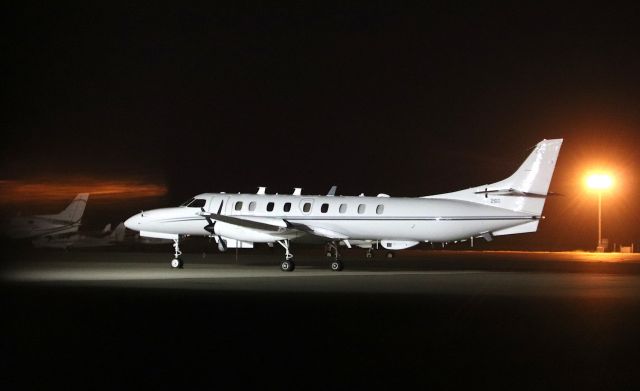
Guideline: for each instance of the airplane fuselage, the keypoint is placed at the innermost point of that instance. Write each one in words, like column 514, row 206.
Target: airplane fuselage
column 357, row 218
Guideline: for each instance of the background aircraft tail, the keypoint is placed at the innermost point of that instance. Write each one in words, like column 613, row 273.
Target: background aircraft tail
column 524, row 191
column 117, row 235
column 74, row 211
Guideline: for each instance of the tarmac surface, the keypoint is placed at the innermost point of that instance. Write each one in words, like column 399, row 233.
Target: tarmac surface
column 432, row 319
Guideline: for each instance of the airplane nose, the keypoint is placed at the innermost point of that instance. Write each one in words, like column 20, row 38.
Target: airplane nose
column 133, row 222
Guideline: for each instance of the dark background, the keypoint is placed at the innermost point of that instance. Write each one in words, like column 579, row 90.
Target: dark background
column 403, row 99
column 408, row 100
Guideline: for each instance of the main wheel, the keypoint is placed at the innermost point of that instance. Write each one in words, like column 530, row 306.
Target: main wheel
column 369, row 255
column 287, row 266
column 336, row 266
column 176, row 263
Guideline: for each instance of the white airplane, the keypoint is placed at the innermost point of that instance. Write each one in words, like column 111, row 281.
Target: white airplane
column 65, row 222
column 510, row 206
column 104, row 239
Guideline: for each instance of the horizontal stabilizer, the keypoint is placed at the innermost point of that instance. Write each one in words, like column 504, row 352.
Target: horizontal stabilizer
column 510, row 192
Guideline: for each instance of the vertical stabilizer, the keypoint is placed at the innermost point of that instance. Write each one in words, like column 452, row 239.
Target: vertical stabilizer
column 117, row 235
column 524, row 191
column 74, row 211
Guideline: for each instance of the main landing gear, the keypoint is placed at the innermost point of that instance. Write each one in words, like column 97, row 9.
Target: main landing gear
column 336, row 264
column 287, row 265
column 176, row 262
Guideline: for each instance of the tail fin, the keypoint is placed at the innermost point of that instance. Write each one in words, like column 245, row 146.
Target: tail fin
column 525, row 190
column 118, row 234
column 74, row 211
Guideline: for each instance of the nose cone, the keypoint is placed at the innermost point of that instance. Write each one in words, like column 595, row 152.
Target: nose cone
column 133, row 222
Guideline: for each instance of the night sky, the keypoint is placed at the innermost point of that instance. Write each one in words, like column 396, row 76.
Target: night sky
column 372, row 97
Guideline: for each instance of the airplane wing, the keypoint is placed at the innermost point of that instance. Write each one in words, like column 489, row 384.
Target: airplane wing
column 275, row 225
column 322, row 232
column 259, row 223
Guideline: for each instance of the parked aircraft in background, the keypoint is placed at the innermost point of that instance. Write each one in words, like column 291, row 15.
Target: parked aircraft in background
column 64, row 223
column 510, row 206
column 105, row 239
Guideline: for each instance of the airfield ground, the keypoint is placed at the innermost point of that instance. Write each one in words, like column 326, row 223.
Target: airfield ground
column 430, row 318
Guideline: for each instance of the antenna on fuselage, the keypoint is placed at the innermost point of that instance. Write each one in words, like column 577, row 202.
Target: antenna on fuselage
column 332, row 191
column 261, row 190
column 297, row 191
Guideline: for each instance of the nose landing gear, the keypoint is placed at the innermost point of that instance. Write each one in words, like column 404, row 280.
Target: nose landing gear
column 336, row 264
column 287, row 265
column 176, row 262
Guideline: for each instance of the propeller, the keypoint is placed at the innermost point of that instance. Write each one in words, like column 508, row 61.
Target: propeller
column 211, row 228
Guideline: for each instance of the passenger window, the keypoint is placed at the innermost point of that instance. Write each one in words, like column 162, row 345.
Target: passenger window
column 306, row 207
column 343, row 208
column 324, row 208
column 197, row 203
column 239, row 205
column 361, row 208
column 287, row 206
column 252, row 206
column 270, row 207
column 380, row 209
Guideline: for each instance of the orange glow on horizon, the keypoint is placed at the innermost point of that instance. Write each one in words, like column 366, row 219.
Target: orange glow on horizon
column 17, row 191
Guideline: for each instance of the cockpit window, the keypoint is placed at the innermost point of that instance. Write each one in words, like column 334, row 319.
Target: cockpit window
column 197, row 203
column 187, row 202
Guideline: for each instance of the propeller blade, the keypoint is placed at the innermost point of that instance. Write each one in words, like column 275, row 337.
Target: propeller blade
column 222, row 244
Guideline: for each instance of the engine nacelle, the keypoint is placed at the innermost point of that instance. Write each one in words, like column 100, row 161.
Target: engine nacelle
column 397, row 244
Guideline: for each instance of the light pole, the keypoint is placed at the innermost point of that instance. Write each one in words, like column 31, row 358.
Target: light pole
column 599, row 182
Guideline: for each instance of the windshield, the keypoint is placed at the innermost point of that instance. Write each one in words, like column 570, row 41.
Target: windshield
column 197, row 203
column 187, row 202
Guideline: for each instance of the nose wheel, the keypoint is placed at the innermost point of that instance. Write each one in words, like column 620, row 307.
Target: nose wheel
column 287, row 265
column 176, row 263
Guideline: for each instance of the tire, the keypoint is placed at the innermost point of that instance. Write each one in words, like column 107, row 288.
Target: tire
column 287, row 266
column 369, row 255
column 176, row 263
column 336, row 266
